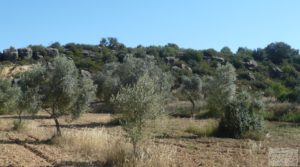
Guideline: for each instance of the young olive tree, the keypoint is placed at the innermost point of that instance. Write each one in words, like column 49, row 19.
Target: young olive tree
column 9, row 96
column 137, row 104
column 220, row 89
column 65, row 92
column 30, row 99
column 191, row 89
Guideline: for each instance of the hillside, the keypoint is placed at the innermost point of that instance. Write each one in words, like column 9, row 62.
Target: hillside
column 112, row 105
column 273, row 70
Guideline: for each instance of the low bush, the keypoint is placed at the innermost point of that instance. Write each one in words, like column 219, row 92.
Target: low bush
column 291, row 117
column 267, row 115
column 241, row 117
column 287, row 112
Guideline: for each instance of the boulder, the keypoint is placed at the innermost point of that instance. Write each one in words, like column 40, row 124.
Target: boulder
column 88, row 53
column 25, row 53
column 37, row 55
column 10, row 54
column 171, row 60
column 52, row 52
column 214, row 58
column 219, row 59
column 251, row 64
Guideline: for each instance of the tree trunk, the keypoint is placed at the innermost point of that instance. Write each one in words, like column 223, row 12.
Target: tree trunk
column 20, row 117
column 135, row 153
column 193, row 109
column 58, row 132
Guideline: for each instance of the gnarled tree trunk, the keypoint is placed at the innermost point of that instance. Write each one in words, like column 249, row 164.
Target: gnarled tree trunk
column 58, row 132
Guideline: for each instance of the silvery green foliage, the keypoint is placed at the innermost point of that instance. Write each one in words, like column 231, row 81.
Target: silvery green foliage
column 108, row 82
column 9, row 95
column 137, row 104
column 85, row 95
column 65, row 92
column 31, row 98
column 191, row 89
column 241, row 116
column 220, row 89
column 115, row 75
column 61, row 85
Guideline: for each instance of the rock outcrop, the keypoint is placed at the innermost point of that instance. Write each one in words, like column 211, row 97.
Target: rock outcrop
column 25, row 53
column 52, row 52
column 10, row 54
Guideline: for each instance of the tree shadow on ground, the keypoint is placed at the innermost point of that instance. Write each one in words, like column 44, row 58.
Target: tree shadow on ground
column 82, row 164
column 33, row 142
column 26, row 117
column 86, row 125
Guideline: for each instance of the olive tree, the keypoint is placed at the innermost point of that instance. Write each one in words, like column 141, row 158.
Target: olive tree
column 85, row 95
column 220, row 89
column 30, row 99
column 9, row 95
column 116, row 75
column 65, row 92
column 108, row 82
column 191, row 89
column 137, row 104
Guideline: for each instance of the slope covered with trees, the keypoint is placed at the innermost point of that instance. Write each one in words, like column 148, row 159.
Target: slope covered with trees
column 274, row 70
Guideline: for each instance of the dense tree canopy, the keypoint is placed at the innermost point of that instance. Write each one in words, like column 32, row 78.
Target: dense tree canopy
column 279, row 51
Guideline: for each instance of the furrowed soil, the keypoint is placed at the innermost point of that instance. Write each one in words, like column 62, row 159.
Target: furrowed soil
column 32, row 147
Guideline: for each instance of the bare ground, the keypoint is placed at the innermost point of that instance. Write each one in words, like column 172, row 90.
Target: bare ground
column 31, row 147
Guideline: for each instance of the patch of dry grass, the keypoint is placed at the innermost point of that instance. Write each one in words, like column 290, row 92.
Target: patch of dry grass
column 156, row 155
column 6, row 125
column 209, row 129
column 112, row 150
column 149, row 155
column 176, row 127
column 33, row 128
column 90, row 143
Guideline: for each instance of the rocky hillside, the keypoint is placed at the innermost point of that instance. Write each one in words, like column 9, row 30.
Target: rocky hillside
column 273, row 70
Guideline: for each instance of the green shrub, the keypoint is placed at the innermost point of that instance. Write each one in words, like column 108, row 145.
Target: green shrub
column 280, row 109
column 291, row 117
column 240, row 117
column 267, row 115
